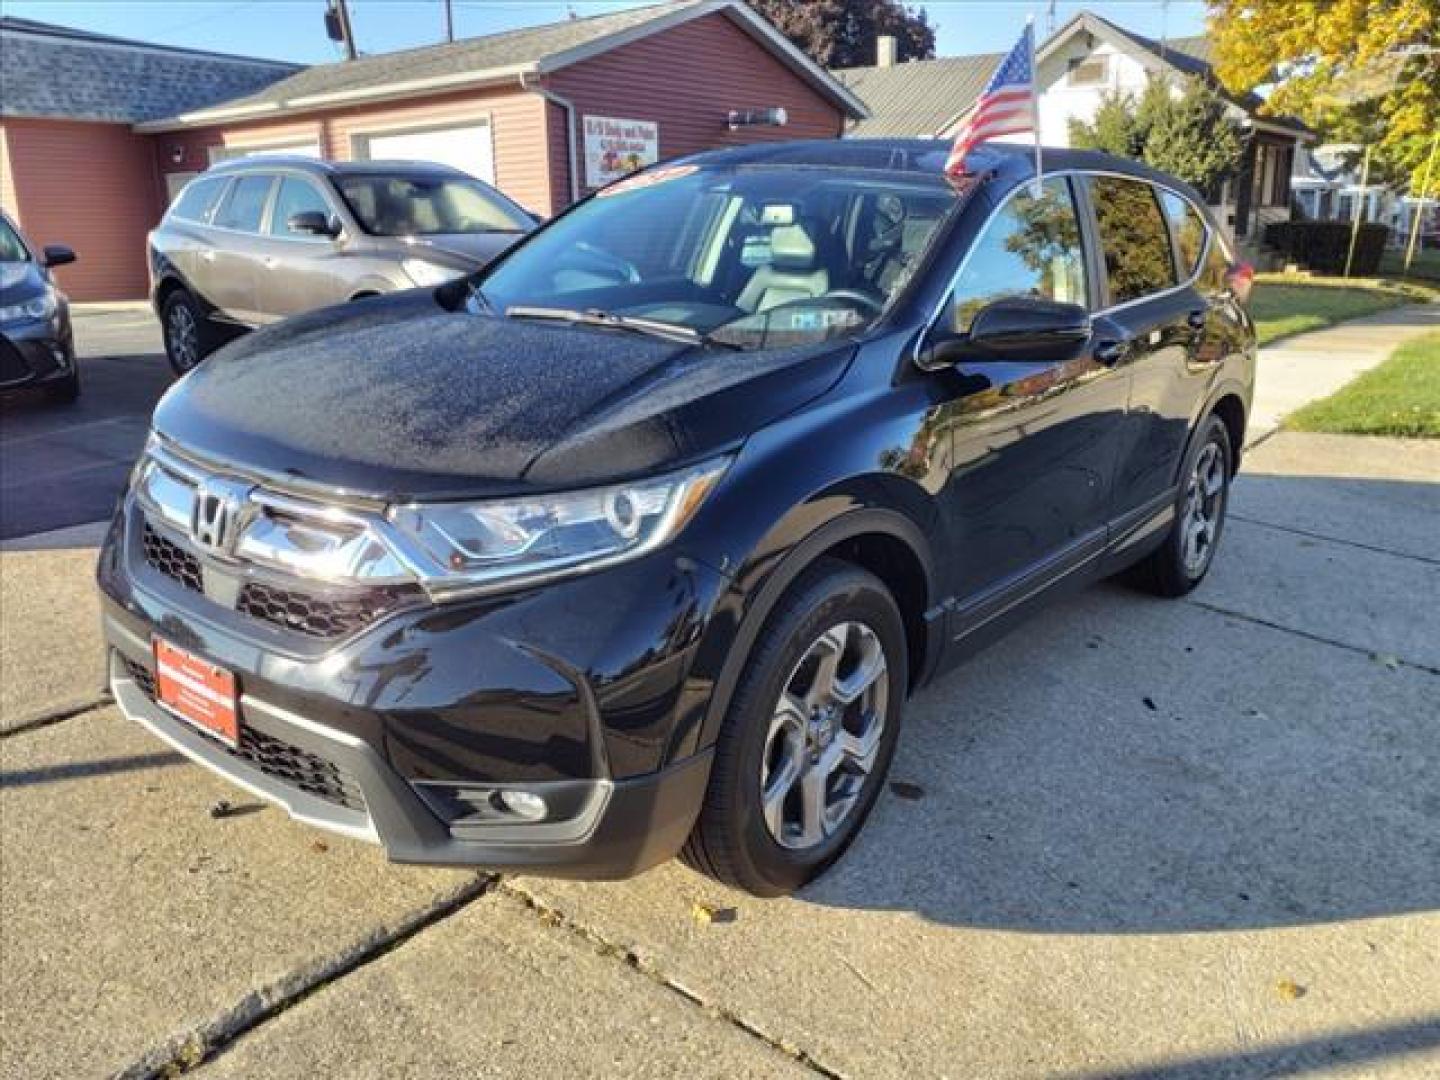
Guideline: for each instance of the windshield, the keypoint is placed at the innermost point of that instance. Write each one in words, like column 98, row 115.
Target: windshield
column 12, row 248
column 754, row 257
column 389, row 205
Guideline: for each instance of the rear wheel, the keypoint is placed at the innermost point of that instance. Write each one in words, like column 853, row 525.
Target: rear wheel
column 808, row 737
column 189, row 337
column 1183, row 560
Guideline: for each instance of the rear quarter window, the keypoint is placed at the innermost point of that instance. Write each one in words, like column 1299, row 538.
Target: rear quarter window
column 245, row 205
column 1188, row 228
column 197, row 201
column 1134, row 238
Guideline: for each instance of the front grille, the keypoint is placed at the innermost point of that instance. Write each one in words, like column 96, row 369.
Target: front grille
column 277, row 758
column 172, row 560
column 315, row 616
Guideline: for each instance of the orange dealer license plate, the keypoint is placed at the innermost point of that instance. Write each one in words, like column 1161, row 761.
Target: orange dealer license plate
column 197, row 691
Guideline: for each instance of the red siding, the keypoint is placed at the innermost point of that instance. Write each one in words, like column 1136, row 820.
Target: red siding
column 516, row 122
column 93, row 187
column 687, row 80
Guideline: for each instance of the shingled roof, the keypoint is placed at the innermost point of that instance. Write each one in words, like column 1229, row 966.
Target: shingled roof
column 64, row 73
column 503, row 56
column 918, row 98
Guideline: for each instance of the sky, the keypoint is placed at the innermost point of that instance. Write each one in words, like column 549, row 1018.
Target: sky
column 293, row 29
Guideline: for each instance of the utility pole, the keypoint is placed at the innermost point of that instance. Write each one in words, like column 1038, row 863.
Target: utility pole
column 449, row 20
column 1420, row 203
column 1359, row 209
column 337, row 26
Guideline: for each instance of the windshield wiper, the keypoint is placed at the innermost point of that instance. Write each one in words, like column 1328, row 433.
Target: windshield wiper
column 608, row 319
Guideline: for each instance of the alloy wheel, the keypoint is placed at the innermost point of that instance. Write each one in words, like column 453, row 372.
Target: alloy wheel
column 184, row 336
column 824, row 736
column 1204, row 508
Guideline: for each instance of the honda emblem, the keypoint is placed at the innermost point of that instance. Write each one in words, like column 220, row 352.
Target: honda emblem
column 215, row 517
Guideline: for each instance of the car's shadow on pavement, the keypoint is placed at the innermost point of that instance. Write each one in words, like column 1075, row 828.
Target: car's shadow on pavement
column 1126, row 764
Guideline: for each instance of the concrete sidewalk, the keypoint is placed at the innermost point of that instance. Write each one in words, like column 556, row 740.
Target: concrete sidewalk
column 1298, row 370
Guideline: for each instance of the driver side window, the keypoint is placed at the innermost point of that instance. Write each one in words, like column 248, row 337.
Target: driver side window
column 1030, row 248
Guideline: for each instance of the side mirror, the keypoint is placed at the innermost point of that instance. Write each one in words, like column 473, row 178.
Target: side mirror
column 313, row 223
column 1019, row 328
column 57, row 255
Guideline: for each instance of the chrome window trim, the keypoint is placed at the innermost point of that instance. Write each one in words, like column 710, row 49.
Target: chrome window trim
column 949, row 290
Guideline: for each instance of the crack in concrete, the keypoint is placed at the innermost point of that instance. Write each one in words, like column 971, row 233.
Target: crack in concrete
column 1335, row 540
column 57, row 715
column 641, row 966
column 1361, row 650
column 187, row 1050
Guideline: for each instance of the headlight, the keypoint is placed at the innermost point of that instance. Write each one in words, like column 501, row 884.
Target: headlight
column 476, row 544
column 423, row 272
column 37, row 307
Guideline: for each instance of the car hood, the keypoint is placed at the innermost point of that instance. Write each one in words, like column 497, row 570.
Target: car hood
column 470, row 247
column 398, row 397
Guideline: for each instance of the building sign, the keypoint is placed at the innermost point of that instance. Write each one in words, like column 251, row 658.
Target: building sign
column 614, row 148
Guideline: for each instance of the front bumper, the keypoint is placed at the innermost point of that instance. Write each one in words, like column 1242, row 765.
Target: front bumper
column 410, row 731
column 36, row 351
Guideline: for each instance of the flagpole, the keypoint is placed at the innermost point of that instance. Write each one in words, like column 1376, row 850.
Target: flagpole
column 1034, row 99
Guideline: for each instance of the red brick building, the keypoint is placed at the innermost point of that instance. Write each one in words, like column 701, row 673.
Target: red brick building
column 545, row 113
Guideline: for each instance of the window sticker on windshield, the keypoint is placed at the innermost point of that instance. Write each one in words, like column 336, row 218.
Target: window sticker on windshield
column 646, row 179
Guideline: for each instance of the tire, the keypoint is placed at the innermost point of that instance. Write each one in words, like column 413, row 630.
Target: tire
column 1170, row 570
column 762, row 743
column 65, row 391
column 179, row 312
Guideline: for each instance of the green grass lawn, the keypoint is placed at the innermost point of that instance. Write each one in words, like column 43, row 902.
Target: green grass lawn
column 1400, row 397
column 1282, row 305
column 1425, row 265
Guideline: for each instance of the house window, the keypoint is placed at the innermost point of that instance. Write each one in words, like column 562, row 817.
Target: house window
column 1092, row 71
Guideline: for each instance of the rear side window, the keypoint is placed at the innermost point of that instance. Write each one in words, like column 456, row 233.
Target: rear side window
column 1133, row 238
column 245, row 205
column 295, row 197
column 1188, row 228
column 1030, row 248
column 198, row 199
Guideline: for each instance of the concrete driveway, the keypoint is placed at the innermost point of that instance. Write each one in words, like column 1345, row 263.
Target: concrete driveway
column 1137, row 838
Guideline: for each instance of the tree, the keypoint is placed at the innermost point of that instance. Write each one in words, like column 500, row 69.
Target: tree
column 1356, row 71
column 1188, row 134
column 842, row 33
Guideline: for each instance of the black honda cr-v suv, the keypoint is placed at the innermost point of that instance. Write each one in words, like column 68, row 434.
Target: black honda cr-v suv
column 636, row 542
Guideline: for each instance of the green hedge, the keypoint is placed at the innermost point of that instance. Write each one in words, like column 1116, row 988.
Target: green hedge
column 1320, row 246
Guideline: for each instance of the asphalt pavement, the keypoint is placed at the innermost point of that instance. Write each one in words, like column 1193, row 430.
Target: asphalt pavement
column 64, row 465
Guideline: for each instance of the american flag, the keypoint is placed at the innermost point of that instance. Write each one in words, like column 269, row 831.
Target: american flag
column 1006, row 106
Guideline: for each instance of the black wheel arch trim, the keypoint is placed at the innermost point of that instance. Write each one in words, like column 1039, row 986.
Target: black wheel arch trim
column 1228, row 388
column 848, row 525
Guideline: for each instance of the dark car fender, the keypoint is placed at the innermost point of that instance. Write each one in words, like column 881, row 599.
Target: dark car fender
column 781, row 527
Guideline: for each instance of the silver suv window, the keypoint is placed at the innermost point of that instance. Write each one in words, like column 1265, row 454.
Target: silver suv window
column 296, row 196
column 197, row 201
column 245, row 205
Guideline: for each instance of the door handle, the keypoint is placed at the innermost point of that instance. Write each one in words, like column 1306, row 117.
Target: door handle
column 1196, row 319
column 1111, row 352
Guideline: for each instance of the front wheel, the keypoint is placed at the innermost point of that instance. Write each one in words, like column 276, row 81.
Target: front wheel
column 1183, row 560
column 808, row 737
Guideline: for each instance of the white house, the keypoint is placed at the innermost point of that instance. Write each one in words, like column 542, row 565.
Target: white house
column 1077, row 66
column 1327, row 187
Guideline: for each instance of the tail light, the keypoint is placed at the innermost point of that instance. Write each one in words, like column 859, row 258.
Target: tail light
column 1241, row 277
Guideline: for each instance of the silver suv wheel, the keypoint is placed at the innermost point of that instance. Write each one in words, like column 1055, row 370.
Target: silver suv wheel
column 824, row 736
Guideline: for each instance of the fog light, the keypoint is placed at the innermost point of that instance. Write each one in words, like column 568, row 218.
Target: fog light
column 525, row 805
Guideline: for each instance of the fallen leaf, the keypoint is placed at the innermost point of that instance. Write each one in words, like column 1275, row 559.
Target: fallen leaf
column 705, row 914
column 905, row 790
column 1289, row 990
column 319, row 847
column 1149, row 704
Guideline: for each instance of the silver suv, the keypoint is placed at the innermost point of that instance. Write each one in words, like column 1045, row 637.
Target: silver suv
column 254, row 241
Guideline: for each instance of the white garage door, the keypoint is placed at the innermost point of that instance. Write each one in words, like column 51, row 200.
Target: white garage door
column 467, row 148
